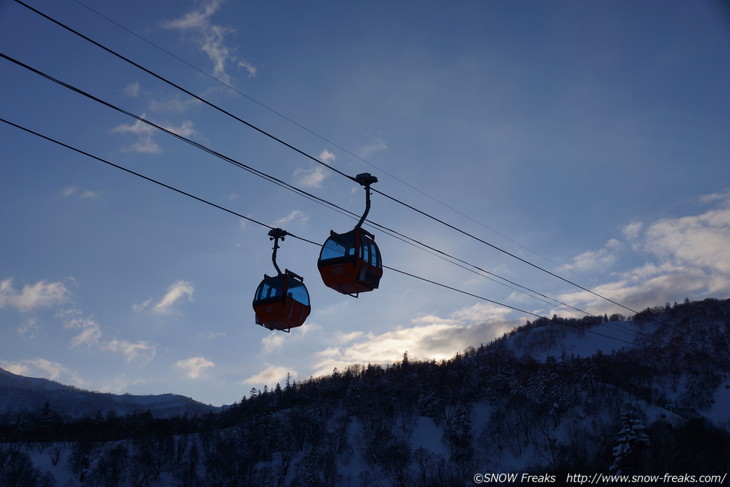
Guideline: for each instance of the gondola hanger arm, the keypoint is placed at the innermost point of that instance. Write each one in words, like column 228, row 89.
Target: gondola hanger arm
column 365, row 179
column 276, row 234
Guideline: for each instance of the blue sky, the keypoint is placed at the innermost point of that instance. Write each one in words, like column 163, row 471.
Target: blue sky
column 589, row 138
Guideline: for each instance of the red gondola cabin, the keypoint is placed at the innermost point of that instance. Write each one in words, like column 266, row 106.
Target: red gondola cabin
column 350, row 262
column 281, row 302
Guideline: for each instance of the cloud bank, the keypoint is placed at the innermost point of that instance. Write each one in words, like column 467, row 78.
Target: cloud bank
column 431, row 337
column 686, row 257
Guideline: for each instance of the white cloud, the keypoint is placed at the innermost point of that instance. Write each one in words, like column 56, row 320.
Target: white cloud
column 327, row 156
column 145, row 145
column 275, row 341
column 648, row 285
column 432, row 338
column 482, row 312
column 633, row 230
column 138, row 128
column 185, row 129
column 91, row 336
column 293, row 215
column 597, row 259
column 211, row 335
column 29, row 328
column 177, row 290
column 40, row 367
column 248, row 67
column 194, row 366
column 132, row 90
column 314, row 176
column 119, row 384
column 270, row 376
column 140, row 350
column 343, row 338
column 211, row 39
column 33, row 296
column 687, row 257
column 722, row 198
column 173, row 105
column 272, row 341
column 311, row 178
column 702, row 241
column 375, row 146
column 143, row 132
column 214, row 45
column 137, row 308
column 197, row 19
column 74, row 191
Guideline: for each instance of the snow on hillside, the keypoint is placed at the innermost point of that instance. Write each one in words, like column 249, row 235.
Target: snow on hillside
column 542, row 399
column 720, row 410
column 601, row 337
column 558, row 339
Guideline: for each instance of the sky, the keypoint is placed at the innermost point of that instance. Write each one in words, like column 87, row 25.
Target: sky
column 585, row 139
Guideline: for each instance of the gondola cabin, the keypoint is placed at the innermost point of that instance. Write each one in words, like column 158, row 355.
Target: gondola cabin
column 281, row 302
column 350, row 262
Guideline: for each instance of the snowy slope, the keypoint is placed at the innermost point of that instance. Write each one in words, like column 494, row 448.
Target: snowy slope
column 720, row 410
column 546, row 338
column 505, row 407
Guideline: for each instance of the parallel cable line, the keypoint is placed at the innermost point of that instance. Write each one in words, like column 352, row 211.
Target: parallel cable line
column 315, row 159
column 506, row 252
column 186, row 91
column 172, row 133
column 139, row 175
column 393, row 233
column 222, row 208
column 315, row 134
column 502, row 304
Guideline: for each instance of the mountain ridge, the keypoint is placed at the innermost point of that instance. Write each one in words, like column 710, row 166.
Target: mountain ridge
column 23, row 394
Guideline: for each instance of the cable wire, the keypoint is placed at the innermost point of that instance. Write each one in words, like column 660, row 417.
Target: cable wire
column 506, row 252
column 312, row 132
column 393, row 233
column 309, row 156
column 315, row 159
column 214, row 205
column 187, row 92
column 217, row 206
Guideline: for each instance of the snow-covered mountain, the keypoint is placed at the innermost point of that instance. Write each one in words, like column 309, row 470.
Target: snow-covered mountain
column 628, row 399
column 18, row 394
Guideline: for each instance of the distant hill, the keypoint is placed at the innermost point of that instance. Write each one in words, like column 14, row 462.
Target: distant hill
column 24, row 394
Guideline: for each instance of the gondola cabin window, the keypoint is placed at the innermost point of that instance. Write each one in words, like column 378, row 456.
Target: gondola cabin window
column 339, row 246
